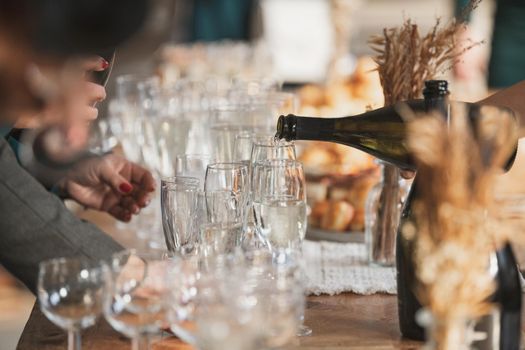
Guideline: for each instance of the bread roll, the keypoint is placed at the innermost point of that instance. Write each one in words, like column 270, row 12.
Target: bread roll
column 337, row 216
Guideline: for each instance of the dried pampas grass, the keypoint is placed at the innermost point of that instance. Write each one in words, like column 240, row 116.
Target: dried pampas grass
column 457, row 167
column 406, row 59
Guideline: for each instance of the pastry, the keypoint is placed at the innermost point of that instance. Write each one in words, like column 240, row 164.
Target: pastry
column 337, row 216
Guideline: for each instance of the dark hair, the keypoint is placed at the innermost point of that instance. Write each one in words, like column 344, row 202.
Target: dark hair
column 70, row 27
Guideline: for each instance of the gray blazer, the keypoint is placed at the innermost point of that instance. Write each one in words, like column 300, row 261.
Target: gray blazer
column 35, row 225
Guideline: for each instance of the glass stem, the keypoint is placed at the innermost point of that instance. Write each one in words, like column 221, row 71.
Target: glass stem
column 140, row 342
column 73, row 340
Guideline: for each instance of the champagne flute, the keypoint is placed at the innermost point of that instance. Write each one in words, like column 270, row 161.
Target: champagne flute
column 226, row 177
column 70, row 292
column 193, row 165
column 269, row 149
column 179, row 208
column 279, row 203
column 244, row 141
column 134, row 301
column 223, row 139
column 226, row 196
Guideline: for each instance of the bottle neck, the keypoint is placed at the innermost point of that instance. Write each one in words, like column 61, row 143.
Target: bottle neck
column 438, row 103
column 292, row 127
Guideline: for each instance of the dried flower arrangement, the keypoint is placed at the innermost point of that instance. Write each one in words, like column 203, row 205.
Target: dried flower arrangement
column 405, row 59
column 457, row 166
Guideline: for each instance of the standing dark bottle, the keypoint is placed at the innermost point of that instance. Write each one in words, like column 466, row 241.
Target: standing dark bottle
column 507, row 324
column 436, row 100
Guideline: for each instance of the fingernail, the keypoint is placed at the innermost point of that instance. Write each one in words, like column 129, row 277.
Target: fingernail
column 125, row 187
column 105, row 64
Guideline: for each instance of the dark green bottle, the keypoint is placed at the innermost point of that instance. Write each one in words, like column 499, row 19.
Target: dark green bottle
column 380, row 132
column 508, row 290
column 436, row 100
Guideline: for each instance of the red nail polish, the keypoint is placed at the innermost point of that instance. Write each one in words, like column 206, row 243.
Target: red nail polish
column 105, row 64
column 125, row 187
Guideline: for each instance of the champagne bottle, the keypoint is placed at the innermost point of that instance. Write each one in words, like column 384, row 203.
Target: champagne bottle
column 507, row 325
column 382, row 133
column 436, row 100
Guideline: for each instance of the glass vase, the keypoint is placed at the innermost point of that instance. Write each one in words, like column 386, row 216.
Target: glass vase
column 382, row 212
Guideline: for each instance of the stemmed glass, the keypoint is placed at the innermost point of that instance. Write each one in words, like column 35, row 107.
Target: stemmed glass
column 226, row 196
column 279, row 203
column 244, row 141
column 269, row 149
column 134, row 303
column 70, row 292
column 179, row 197
column 235, row 301
column 223, row 138
column 193, row 165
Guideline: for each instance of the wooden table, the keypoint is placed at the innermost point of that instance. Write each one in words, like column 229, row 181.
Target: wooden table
column 345, row 321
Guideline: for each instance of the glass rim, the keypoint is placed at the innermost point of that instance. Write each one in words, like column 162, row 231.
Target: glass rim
column 155, row 253
column 278, row 163
column 229, row 127
column 82, row 261
column 227, row 166
column 229, row 107
column 279, row 144
column 193, row 156
column 184, row 180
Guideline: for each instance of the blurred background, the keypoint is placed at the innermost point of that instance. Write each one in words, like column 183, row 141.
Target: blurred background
column 316, row 48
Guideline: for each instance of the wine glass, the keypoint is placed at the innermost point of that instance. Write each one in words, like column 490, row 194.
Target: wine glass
column 226, row 188
column 193, row 165
column 228, row 121
column 279, row 203
column 134, row 300
column 233, row 301
column 244, row 141
column 70, row 292
column 179, row 208
column 226, row 177
column 268, row 149
column 223, row 139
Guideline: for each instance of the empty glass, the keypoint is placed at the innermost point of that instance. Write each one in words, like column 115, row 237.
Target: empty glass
column 226, row 188
column 266, row 108
column 279, row 203
column 223, row 140
column 226, row 177
column 179, row 209
column 234, row 301
column 193, row 165
column 134, row 303
column 244, row 141
column 70, row 292
column 227, row 122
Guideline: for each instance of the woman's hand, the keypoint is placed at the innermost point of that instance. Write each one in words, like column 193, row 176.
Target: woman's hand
column 109, row 183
